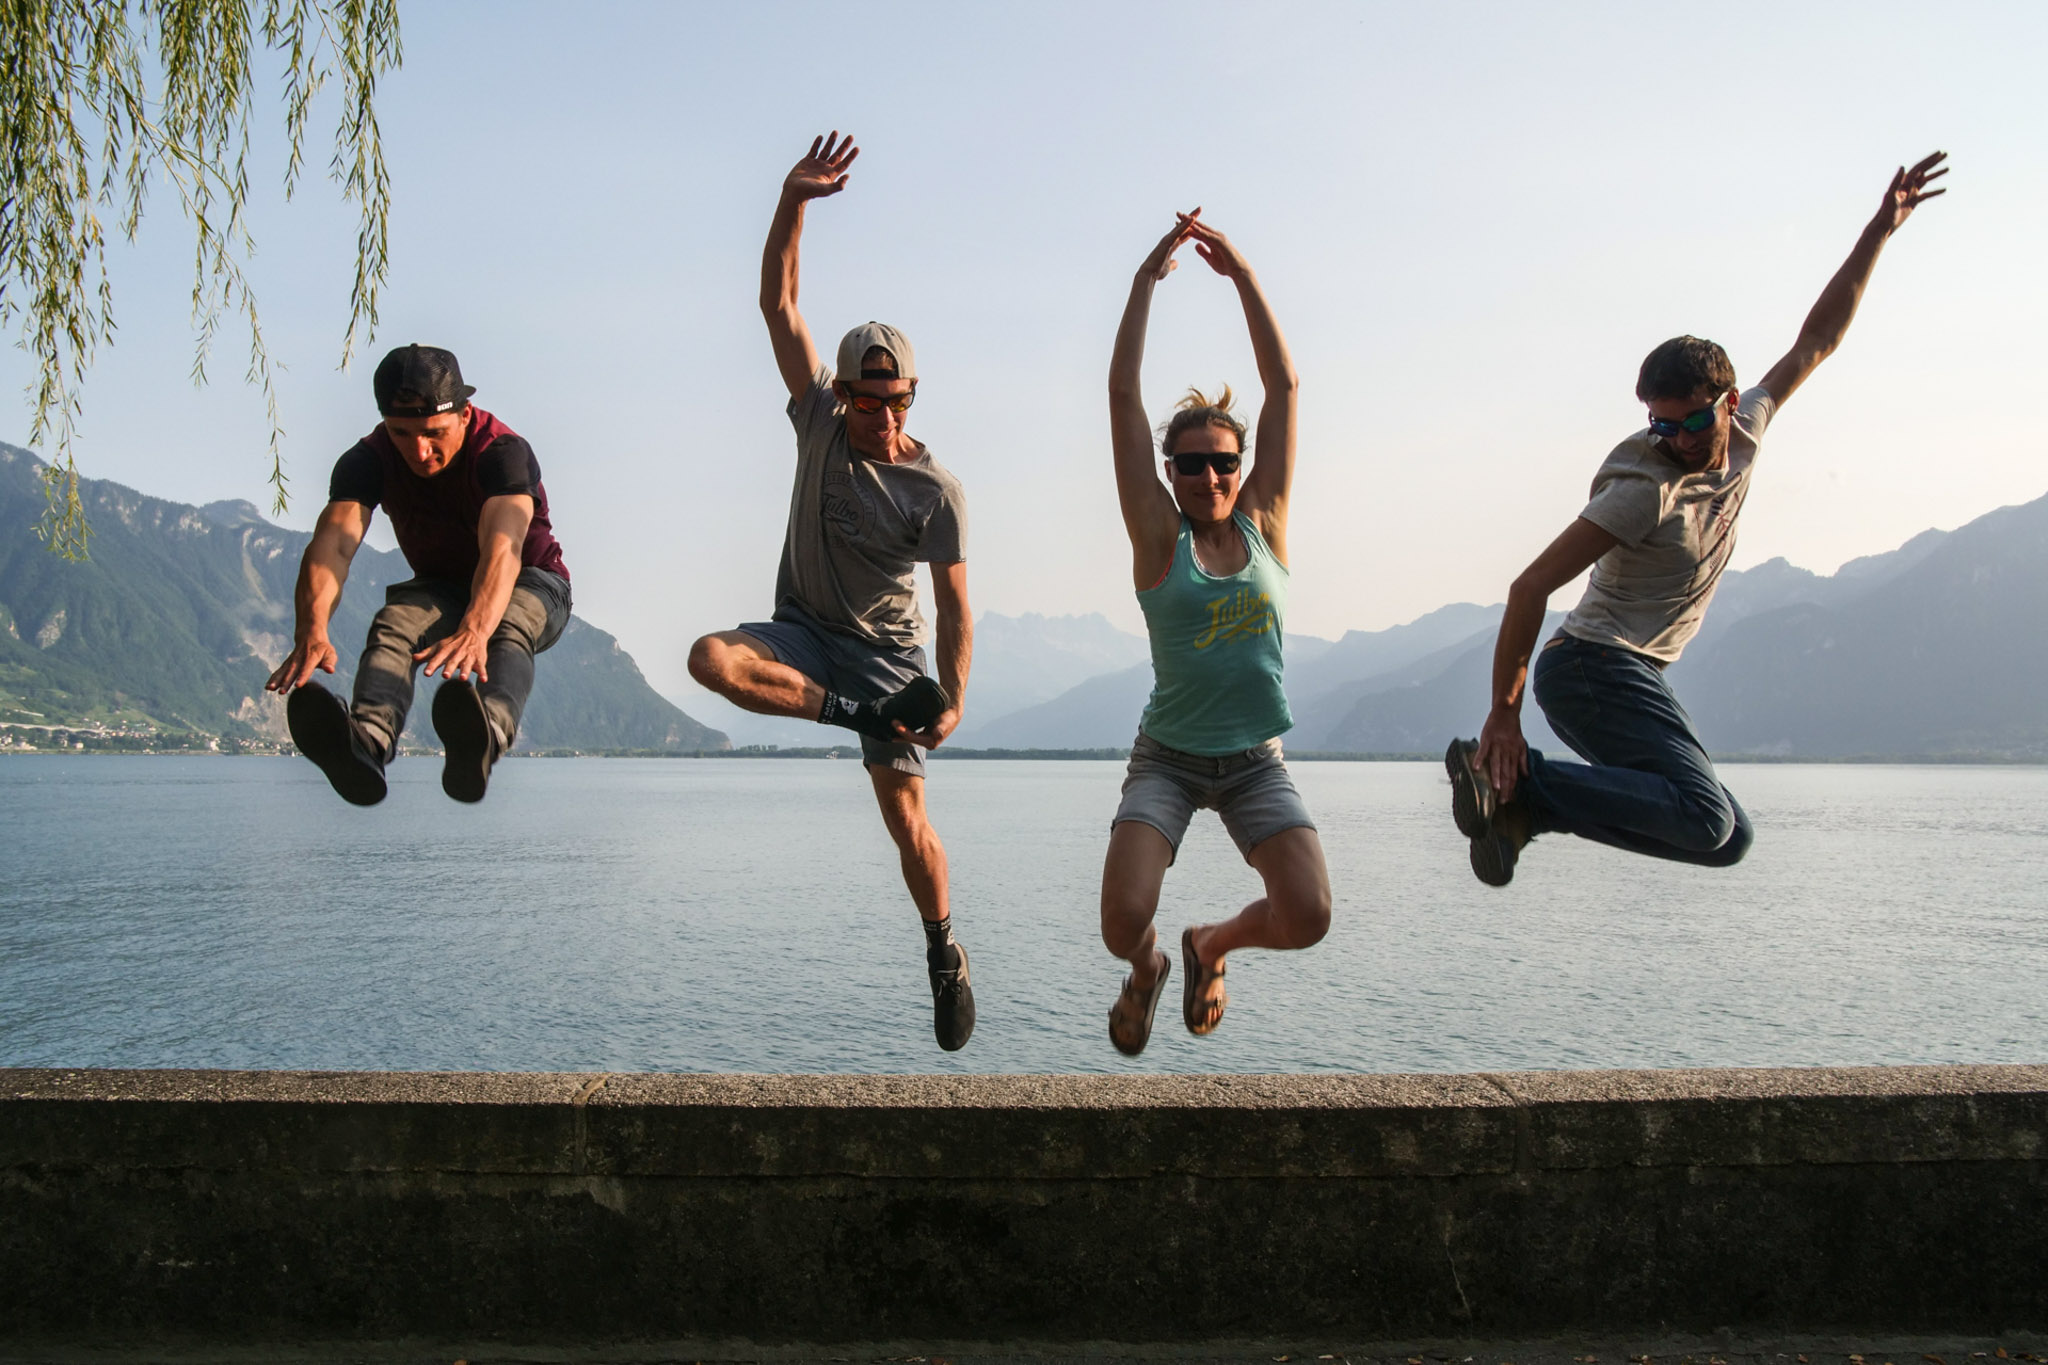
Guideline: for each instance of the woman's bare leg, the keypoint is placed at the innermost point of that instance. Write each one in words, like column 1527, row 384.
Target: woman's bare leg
column 1132, row 874
column 1294, row 912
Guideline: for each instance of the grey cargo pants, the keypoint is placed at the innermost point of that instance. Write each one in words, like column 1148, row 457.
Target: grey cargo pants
column 421, row 611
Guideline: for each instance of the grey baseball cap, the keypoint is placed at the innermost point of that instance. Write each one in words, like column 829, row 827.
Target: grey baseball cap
column 860, row 340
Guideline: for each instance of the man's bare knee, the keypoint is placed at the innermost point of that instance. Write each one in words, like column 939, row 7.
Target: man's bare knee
column 715, row 660
column 901, row 798
column 707, row 661
column 909, row 828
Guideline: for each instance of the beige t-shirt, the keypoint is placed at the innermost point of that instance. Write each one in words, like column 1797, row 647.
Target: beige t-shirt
column 856, row 527
column 1677, row 531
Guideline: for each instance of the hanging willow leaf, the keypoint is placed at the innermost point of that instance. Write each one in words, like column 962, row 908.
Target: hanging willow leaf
column 100, row 100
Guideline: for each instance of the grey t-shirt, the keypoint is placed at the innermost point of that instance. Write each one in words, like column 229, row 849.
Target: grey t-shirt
column 1676, row 529
column 856, row 526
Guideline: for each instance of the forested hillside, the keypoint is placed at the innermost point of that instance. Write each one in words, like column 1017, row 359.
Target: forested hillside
column 168, row 631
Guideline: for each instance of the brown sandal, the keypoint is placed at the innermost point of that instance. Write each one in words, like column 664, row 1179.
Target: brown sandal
column 1145, row 1006
column 1193, row 983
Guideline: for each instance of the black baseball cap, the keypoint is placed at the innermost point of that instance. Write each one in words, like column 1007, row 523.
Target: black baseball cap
column 419, row 381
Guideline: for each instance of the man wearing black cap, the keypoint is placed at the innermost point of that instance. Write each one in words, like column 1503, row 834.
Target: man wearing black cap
column 844, row 646
column 489, row 590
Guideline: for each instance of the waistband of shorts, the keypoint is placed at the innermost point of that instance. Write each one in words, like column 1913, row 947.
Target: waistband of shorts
column 1216, row 764
column 791, row 612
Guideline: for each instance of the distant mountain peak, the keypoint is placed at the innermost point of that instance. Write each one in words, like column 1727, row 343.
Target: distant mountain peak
column 233, row 513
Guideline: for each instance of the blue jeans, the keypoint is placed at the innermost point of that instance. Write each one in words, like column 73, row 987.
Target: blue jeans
column 1646, row 785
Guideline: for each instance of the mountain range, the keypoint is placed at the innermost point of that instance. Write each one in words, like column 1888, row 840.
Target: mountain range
column 1932, row 650
column 173, row 623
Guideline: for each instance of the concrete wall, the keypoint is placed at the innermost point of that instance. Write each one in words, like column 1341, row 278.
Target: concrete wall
column 293, row 1206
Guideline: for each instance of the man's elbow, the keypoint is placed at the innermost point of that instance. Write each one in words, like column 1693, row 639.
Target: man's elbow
column 1528, row 588
column 1815, row 348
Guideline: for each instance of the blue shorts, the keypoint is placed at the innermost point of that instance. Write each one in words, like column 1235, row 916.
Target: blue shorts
column 853, row 668
column 1251, row 791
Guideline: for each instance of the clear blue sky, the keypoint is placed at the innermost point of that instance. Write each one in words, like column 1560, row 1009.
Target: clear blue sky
column 1473, row 220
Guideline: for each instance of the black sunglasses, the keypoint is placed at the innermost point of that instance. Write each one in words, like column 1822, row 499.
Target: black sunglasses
column 1698, row 420
column 1189, row 463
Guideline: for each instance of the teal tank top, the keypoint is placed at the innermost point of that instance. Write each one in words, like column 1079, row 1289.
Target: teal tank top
column 1216, row 650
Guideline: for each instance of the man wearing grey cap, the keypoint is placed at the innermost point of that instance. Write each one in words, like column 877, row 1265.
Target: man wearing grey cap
column 844, row 645
column 489, row 589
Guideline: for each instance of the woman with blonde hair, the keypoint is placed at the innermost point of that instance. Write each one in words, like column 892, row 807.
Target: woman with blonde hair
column 1208, row 559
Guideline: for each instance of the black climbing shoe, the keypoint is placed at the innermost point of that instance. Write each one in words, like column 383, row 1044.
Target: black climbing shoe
column 470, row 740
column 326, row 733
column 1472, row 798
column 953, row 1004
column 1495, row 852
column 918, row 706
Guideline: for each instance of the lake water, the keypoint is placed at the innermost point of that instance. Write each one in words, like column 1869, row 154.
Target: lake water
column 611, row 914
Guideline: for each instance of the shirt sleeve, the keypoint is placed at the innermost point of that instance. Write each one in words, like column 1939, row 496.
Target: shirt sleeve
column 944, row 539
column 817, row 407
column 1626, row 504
column 1754, row 410
column 358, row 477
column 507, row 466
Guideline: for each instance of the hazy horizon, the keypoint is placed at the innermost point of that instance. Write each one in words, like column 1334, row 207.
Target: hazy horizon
column 1472, row 221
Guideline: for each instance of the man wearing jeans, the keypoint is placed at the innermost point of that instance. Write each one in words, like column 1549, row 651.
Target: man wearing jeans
column 868, row 504
column 489, row 590
column 1658, row 531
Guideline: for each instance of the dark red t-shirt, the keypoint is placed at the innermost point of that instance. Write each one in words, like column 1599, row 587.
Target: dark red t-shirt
column 436, row 519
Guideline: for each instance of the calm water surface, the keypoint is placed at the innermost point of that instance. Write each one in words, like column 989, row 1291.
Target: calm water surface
column 612, row 914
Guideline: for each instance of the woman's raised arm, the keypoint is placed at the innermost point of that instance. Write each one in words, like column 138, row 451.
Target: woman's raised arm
column 1266, row 488
column 1150, row 517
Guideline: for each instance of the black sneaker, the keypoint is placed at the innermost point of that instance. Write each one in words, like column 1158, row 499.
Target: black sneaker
column 469, row 739
column 1495, row 853
column 1472, row 799
column 326, row 733
column 953, row 1004
column 920, row 703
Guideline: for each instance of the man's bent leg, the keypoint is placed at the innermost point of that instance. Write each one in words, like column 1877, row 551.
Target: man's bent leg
column 746, row 672
column 534, row 619
column 1647, row 785
column 415, row 614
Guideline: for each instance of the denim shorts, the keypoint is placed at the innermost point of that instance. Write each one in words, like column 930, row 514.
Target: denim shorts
column 1251, row 790
column 855, row 669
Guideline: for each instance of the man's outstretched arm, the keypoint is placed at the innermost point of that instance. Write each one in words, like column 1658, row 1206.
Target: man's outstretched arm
column 322, row 571
column 500, row 534
column 1503, row 754
column 1831, row 315
column 954, row 645
column 821, row 173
